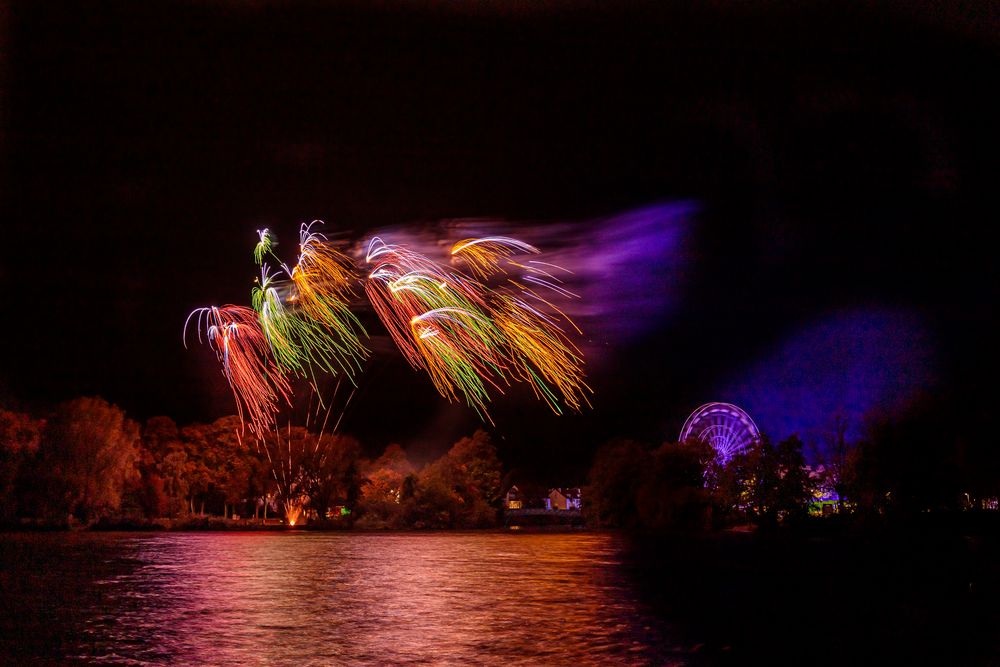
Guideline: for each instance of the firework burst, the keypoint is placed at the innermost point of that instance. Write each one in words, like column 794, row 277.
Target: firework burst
column 439, row 322
column 265, row 245
column 471, row 339
column 324, row 281
column 540, row 351
column 544, row 355
column 483, row 255
column 258, row 383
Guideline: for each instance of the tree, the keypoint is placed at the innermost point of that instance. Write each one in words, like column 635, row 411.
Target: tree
column 160, row 437
column 330, row 472
column 792, row 491
column 382, row 492
column 261, row 485
column 907, row 463
column 20, row 436
column 235, row 484
column 671, row 494
column 217, row 465
column 88, row 452
column 152, row 496
column 147, row 491
column 764, row 482
column 614, row 480
column 312, row 472
column 476, row 457
column 436, row 503
column 730, row 485
column 173, row 471
column 230, row 463
column 459, row 490
column 838, row 470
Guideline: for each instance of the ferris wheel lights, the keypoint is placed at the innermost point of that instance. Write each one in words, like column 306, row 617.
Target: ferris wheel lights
column 725, row 427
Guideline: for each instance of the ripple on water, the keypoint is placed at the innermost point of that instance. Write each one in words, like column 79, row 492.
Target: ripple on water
column 322, row 598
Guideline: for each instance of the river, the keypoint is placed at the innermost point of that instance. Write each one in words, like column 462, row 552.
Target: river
column 306, row 598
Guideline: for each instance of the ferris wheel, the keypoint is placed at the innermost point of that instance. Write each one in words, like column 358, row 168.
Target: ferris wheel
column 724, row 426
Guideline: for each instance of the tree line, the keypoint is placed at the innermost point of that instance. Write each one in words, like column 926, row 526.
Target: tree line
column 898, row 469
column 684, row 486
column 87, row 462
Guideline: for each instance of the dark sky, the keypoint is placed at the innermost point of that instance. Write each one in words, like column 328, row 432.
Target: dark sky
column 842, row 161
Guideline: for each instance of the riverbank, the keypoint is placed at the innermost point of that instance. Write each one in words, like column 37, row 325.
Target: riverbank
column 213, row 524
column 517, row 520
column 196, row 523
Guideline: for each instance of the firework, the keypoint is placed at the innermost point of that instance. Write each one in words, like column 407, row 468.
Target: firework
column 275, row 321
column 300, row 345
column 483, row 255
column 539, row 350
column 265, row 244
column 460, row 353
column 543, row 354
column 258, row 383
column 324, row 280
column 439, row 322
column 472, row 340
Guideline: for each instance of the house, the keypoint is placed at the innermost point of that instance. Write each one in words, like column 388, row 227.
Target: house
column 825, row 500
column 514, row 499
column 526, row 496
column 564, row 498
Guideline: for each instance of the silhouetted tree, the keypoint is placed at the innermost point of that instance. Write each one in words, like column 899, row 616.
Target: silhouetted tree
column 20, row 436
column 436, row 503
column 790, row 492
column 88, row 452
column 618, row 471
column 837, row 468
column 160, row 437
column 382, row 492
column 672, row 494
column 476, row 458
column 330, row 472
column 173, row 470
column 461, row 488
column 765, row 482
column 907, row 464
column 731, row 486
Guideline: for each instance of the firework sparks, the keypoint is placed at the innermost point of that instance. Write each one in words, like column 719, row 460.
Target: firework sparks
column 300, row 344
column 265, row 245
column 540, row 351
column 543, row 353
column 258, row 383
column 324, row 280
column 461, row 354
column 483, row 255
column 472, row 340
column 439, row 322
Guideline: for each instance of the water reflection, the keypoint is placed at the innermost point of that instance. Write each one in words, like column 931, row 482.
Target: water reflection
column 310, row 598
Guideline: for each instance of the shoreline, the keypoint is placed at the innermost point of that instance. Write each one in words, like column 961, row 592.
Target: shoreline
column 218, row 525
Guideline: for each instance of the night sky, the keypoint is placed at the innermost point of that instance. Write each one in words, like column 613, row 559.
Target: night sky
column 815, row 191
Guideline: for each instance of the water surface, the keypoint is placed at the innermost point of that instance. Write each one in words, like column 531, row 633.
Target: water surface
column 324, row 598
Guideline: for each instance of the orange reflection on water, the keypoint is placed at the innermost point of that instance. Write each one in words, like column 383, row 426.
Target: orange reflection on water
column 334, row 598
